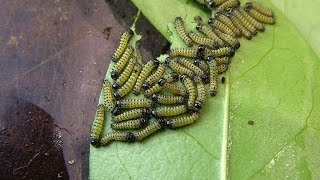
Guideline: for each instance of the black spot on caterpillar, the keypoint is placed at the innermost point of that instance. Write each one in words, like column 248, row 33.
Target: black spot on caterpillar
column 97, row 126
column 108, row 100
column 134, row 103
column 124, row 76
column 191, row 90
column 178, row 67
column 131, row 114
column 124, row 39
column 165, row 111
column 154, row 77
column 118, row 67
column 238, row 24
column 260, row 8
column 225, row 20
column 213, row 87
column 168, row 99
column 228, row 4
column 147, row 69
column 203, row 40
column 131, row 124
column 206, row 30
column 258, row 16
column 182, row 121
column 118, row 136
column 127, row 87
column 179, row 25
column 215, row 23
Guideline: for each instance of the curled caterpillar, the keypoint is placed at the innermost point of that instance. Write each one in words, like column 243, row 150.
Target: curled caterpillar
column 150, row 129
column 203, row 40
column 124, row 39
column 168, row 99
column 238, row 24
column 179, row 25
column 191, row 90
column 231, row 40
column 259, row 16
column 260, row 8
column 228, row 4
column 182, row 121
column 225, row 20
column 127, row 87
column 215, row 23
column 213, row 87
column 244, row 21
column 131, row 114
column 108, row 100
column 134, row 103
column 124, row 76
column 147, row 69
column 118, row 67
column 206, row 30
column 97, row 126
column 131, row 124
column 224, row 51
column 177, row 67
column 154, row 77
column 165, row 111
column 118, row 136
column 251, row 20
column 197, row 71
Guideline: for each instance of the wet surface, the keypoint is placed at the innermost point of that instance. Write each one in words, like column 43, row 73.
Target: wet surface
column 53, row 57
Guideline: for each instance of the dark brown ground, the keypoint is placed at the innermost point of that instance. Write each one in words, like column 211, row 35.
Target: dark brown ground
column 53, row 57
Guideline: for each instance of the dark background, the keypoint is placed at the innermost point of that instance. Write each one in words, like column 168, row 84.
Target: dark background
column 53, row 58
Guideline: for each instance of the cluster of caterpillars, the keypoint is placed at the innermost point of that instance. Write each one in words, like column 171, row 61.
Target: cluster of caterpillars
column 174, row 91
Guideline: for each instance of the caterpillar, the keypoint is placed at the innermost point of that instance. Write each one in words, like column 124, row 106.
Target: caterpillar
column 127, row 87
column 182, row 121
column 224, row 51
column 225, row 20
column 251, row 20
column 154, row 89
column 148, row 67
column 203, row 40
column 215, row 23
column 179, row 25
column 118, row 67
column 165, row 111
column 118, row 136
column 150, row 129
column 169, row 77
column 177, row 67
column 222, row 68
column 191, row 90
column 201, row 64
column 185, row 52
column 201, row 98
column 124, row 39
column 194, row 68
column 174, row 89
column 168, row 99
column 228, row 4
column 213, row 86
column 214, row 3
column 134, row 103
column 231, row 40
column 223, row 60
column 131, row 114
column 259, row 16
column 124, row 76
column 244, row 21
column 260, row 8
column 97, row 126
column 238, row 24
column 154, row 77
column 108, row 100
column 131, row 124
column 210, row 34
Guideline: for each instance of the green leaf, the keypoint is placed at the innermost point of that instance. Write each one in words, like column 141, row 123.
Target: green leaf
column 273, row 80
